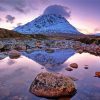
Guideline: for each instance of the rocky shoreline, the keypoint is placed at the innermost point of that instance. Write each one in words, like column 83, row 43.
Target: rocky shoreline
column 47, row 45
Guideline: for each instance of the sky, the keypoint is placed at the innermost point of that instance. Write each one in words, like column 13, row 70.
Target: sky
column 83, row 14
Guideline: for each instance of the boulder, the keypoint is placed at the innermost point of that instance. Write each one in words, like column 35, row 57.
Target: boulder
column 2, row 56
column 50, row 85
column 80, row 51
column 20, row 47
column 13, row 54
column 74, row 65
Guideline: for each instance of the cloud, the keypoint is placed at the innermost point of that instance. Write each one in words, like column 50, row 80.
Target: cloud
column 84, row 31
column 12, row 2
column 10, row 19
column 19, row 9
column 19, row 24
column 97, row 30
column 59, row 10
column 18, row 5
column 22, row 6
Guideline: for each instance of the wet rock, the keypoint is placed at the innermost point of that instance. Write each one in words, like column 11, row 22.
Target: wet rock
column 97, row 74
column 13, row 54
column 69, row 69
column 85, row 67
column 6, row 47
column 49, row 50
column 52, row 85
column 74, row 65
column 29, row 51
column 1, row 45
column 80, row 51
column 23, row 47
column 2, row 56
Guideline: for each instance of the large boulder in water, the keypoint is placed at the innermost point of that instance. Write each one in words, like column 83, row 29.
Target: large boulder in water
column 52, row 85
column 13, row 54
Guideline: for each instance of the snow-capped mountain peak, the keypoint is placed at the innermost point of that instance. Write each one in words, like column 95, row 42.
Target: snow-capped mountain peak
column 47, row 24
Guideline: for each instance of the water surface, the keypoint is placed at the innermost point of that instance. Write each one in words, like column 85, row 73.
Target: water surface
column 16, row 75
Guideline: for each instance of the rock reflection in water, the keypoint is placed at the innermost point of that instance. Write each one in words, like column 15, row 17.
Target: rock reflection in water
column 88, row 86
column 11, row 62
column 62, row 98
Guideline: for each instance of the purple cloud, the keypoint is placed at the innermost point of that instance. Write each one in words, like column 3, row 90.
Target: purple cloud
column 19, row 9
column 10, row 19
column 13, row 3
column 58, row 9
column 18, row 5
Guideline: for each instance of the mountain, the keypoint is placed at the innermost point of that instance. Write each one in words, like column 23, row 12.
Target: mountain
column 97, row 34
column 48, row 25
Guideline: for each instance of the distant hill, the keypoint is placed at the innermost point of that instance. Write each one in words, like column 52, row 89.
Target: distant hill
column 4, row 33
column 50, row 24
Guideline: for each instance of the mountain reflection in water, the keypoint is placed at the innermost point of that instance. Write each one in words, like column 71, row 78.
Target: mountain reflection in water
column 16, row 76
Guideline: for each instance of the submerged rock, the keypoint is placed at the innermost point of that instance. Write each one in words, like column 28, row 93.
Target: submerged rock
column 52, row 85
column 85, row 67
column 69, row 69
column 13, row 54
column 74, row 65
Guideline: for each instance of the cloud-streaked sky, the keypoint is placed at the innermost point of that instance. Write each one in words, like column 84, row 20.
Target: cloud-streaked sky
column 83, row 14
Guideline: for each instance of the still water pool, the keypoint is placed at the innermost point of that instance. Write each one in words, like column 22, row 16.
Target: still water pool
column 16, row 75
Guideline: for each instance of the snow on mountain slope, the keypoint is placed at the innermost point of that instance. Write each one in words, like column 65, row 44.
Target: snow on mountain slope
column 47, row 24
column 97, row 34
